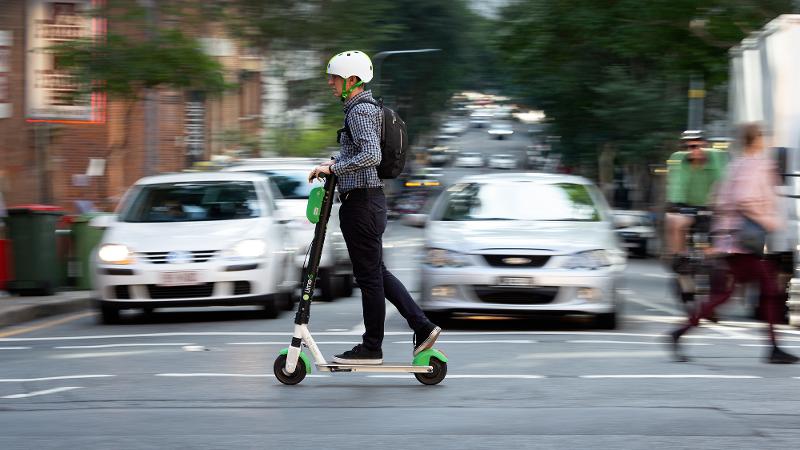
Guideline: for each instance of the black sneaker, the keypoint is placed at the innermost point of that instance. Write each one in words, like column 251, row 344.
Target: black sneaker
column 359, row 355
column 778, row 356
column 425, row 338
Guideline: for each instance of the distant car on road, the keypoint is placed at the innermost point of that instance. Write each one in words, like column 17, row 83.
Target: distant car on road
column 290, row 177
column 636, row 232
column 469, row 159
column 521, row 244
column 454, row 127
column 439, row 155
column 503, row 161
column 500, row 130
column 194, row 239
column 480, row 118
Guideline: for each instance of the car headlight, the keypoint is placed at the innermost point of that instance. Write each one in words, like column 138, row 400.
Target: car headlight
column 248, row 248
column 592, row 259
column 115, row 254
column 437, row 257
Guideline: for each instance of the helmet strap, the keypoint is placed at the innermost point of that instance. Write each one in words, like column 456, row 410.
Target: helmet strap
column 346, row 93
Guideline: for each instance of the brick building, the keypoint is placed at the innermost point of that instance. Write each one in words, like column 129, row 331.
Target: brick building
column 54, row 152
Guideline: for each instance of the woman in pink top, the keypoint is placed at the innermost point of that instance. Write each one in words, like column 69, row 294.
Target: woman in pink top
column 748, row 190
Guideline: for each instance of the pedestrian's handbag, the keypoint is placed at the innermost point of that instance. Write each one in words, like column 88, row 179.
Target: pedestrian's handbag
column 751, row 236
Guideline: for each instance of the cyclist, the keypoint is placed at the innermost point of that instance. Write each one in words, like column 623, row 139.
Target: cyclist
column 692, row 174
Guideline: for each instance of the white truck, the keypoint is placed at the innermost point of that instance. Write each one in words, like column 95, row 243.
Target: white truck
column 765, row 87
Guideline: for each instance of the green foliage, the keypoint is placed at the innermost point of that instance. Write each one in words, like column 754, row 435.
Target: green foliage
column 616, row 72
column 123, row 64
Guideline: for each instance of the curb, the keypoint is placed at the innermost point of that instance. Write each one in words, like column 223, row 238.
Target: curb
column 17, row 310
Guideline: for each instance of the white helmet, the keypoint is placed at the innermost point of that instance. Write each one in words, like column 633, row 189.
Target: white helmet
column 349, row 63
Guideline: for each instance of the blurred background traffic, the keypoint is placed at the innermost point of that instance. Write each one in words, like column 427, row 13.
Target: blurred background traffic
column 97, row 94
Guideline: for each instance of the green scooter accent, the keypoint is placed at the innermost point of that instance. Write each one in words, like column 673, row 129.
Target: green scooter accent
column 314, row 207
column 303, row 356
column 424, row 358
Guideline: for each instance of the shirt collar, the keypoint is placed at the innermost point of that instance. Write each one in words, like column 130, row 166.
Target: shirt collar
column 348, row 105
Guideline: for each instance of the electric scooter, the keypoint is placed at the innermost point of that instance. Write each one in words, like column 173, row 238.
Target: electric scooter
column 292, row 364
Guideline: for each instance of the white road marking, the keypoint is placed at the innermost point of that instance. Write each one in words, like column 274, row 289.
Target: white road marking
column 727, row 331
column 731, row 377
column 388, row 333
column 44, row 392
column 234, row 375
column 593, row 355
column 104, row 354
column 286, row 343
column 587, row 341
column 493, row 376
column 629, row 296
column 157, row 344
column 15, row 348
column 768, row 345
column 64, row 377
column 486, row 341
column 657, row 275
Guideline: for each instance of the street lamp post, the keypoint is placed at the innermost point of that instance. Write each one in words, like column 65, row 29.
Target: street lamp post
column 377, row 60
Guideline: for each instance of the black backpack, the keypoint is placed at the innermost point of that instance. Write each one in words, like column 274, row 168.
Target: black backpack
column 394, row 141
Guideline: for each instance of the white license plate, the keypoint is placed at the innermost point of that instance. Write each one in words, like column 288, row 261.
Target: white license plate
column 183, row 278
column 515, row 281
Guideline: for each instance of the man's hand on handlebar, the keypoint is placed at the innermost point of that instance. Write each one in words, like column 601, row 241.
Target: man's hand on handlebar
column 322, row 169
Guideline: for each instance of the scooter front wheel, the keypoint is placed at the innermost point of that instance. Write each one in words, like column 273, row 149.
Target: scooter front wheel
column 435, row 377
column 279, row 368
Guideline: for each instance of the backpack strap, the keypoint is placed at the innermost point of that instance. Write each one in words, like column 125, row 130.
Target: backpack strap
column 346, row 129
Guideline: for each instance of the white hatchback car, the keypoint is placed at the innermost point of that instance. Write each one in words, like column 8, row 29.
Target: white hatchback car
column 290, row 177
column 469, row 159
column 522, row 244
column 503, row 161
column 194, row 239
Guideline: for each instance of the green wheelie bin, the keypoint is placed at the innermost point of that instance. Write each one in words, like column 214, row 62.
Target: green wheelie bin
column 32, row 231
column 84, row 240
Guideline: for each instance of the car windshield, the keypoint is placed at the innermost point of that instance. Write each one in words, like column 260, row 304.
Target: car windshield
column 517, row 201
column 292, row 183
column 193, row 202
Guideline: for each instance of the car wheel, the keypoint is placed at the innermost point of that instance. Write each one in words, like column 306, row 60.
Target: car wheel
column 326, row 282
column 269, row 309
column 607, row 321
column 109, row 314
column 345, row 285
column 287, row 300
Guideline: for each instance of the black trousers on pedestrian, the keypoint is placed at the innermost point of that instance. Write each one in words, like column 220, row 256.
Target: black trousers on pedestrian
column 362, row 218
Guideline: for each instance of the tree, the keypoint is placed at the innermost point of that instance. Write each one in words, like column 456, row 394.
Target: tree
column 612, row 75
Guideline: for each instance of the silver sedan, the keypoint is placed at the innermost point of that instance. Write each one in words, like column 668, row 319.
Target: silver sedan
column 521, row 244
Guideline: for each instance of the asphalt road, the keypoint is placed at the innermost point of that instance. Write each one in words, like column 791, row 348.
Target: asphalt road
column 203, row 379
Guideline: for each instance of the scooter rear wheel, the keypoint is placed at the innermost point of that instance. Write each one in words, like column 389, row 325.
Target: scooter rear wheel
column 435, row 377
column 290, row 379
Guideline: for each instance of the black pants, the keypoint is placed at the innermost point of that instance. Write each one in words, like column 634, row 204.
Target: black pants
column 363, row 220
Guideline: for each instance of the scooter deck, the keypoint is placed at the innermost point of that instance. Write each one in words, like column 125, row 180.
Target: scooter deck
column 390, row 368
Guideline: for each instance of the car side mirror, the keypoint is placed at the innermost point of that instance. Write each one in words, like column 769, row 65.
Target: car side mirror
column 414, row 220
column 104, row 221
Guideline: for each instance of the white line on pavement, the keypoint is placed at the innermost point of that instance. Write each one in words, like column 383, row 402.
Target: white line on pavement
column 286, row 343
column 44, row 392
column 732, row 377
column 493, row 376
column 15, row 348
column 629, row 296
column 593, row 355
column 123, row 345
column 105, row 354
column 64, row 377
column 352, row 333
column 234, row 375
column 486, row 341
column 768, row 345
column 588, row 341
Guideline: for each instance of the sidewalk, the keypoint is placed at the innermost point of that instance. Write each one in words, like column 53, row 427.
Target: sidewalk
column 15, row 310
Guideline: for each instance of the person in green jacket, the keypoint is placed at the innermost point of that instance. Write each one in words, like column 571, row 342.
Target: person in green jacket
column 691, row 177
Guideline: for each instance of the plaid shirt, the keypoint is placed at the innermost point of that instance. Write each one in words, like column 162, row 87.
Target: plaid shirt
column 357, row 163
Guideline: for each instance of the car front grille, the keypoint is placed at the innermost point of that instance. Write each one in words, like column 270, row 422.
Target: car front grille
column 169, row 292
column 241, row 288
column 198, row 256
column 516, row 260
column 538, row 295
column 122, row 292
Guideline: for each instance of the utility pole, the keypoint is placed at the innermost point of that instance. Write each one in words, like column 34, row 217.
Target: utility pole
column 697, row 95
column 150, row 99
